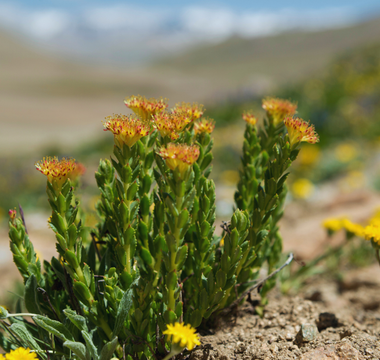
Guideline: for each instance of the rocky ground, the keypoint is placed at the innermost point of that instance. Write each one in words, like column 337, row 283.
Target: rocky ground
column 297, row 328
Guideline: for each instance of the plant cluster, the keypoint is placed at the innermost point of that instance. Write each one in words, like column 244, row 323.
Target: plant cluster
column 153, row 262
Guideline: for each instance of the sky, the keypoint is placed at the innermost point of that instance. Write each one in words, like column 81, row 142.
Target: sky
column 80, row 27
column 241, row 5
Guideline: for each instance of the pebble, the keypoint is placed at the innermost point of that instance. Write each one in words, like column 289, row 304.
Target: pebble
column 308, row 332
column 326, row 320
column 288, row 336
column 337, row 352
column 274, row 349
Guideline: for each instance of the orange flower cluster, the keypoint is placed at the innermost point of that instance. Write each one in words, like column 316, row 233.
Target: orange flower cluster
column 144, row 107
column 57, row 171
column 170, row 124
column 300, row 130
column 192, row 111
column 249, row 118
column 180, row 156
column 278, row 109
column 205, row 125
column 126, row 129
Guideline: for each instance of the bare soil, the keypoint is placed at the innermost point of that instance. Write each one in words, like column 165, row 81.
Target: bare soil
column 297, row 328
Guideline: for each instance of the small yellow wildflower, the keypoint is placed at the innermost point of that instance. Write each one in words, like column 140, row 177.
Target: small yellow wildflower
column 180, row 156
column 57, row 171
column 21, row 354
column 144, row 107
column 353, row 228
column 372, row 232
column 126, row 129
column 278, row 109
column 309, row 155
column 204, row 125
column 249, row 118
column 346, row 152
column 300, row 130
column 333, row 224
column 183, row 335
column 302, row 188
column 191, row 111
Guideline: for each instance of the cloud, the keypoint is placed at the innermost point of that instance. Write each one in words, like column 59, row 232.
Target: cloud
column 154, row 30
column 117, row 17
column 41, row 24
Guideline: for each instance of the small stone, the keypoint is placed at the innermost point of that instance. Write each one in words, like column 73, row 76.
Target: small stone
column 274, row 349
column 240, row 347
column 288, row 336
column 271, row 339
column 322, row 353
column 308, row 332
column 347, row 352
column 327, row 320
column 345, row 333
column 337, row 352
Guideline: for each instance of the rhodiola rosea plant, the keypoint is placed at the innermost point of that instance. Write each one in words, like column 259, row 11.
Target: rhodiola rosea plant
column 153, row 265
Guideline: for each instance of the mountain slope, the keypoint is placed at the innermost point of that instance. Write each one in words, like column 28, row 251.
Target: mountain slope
column 280, row 58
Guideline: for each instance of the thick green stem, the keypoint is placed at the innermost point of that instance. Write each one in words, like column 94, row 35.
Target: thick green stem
column 106, row 328
column 127, row 249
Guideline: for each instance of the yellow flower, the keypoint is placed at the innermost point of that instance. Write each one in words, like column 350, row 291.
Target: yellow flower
column 333, row 224
column 145, row 108
column 309, row 155
column 183, row 335
column 126, row 129
column 372, row 232
column 180, row 156
column 204, row 125
column 21, row 354
column 57, row 171
column 249, row 118
column 170, row 124
column 353, row 228
column 300, row 130
column 191, row 111
column 277, row 109
column 302, row 188
column 346, row 152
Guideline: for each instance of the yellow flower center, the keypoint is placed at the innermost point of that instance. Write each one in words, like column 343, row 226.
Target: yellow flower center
column 180, row 156
column 277, row 109
column 183, row 335
column 21, row 354
column 57, row 171
column 249, row 118
column 144, row 107
column 204, row 126
column 191, row 111
column 300, row 130
column 126, row 129
column 372, row 232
